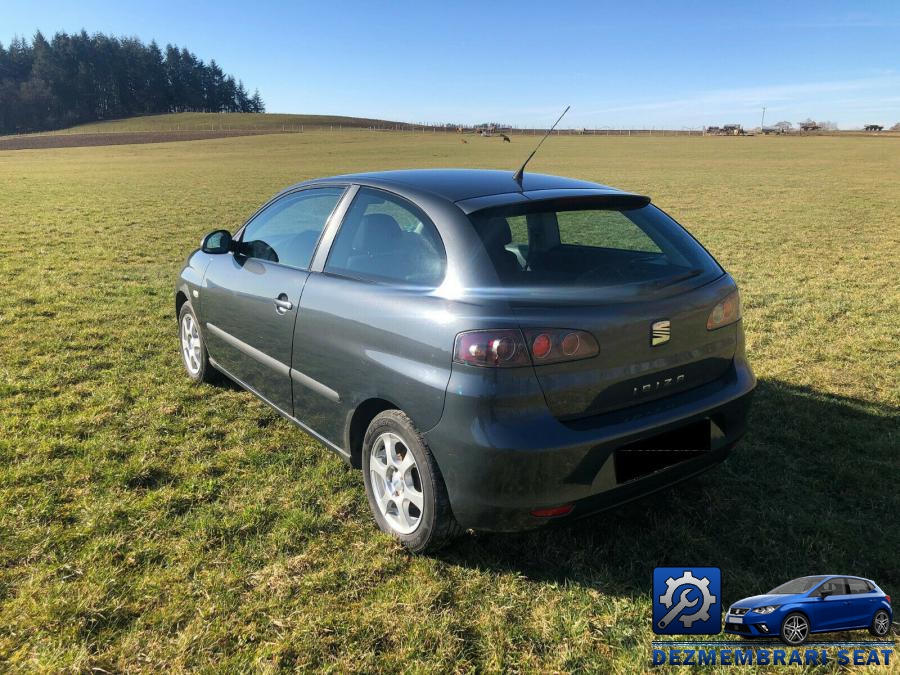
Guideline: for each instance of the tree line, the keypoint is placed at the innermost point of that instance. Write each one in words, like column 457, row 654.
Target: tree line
column 82, row 78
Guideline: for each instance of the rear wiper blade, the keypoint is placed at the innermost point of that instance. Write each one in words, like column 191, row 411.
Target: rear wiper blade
column 690, row 274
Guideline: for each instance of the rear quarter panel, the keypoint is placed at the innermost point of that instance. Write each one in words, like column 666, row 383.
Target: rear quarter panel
column 365, row 340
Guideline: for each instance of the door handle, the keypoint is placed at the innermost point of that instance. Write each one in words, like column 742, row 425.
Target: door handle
column 282, row 304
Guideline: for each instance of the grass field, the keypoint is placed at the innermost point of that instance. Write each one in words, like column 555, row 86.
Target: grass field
column 146, row 524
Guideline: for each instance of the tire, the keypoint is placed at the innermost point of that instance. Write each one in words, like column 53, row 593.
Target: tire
column 404, row 485
column 794, row 629
column 881, row 623
column 192, row 346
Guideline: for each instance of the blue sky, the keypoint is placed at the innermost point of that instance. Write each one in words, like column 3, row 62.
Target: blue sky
column 621, row 64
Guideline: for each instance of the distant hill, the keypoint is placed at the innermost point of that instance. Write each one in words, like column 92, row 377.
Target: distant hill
column 188, row 127
column 230, row 122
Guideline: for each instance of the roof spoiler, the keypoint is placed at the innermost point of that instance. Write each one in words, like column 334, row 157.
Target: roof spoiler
column 564, row 200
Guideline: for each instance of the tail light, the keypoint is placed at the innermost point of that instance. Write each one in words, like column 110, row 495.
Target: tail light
column 509, row 347
column 560, row 344
column 725, row 313
column 496, row 348
column 554, row 511
column 888, row 598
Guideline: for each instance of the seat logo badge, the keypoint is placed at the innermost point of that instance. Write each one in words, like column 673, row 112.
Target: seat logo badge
column 660, row 332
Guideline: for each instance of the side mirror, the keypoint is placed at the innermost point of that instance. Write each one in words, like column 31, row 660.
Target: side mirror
column 824, row 594
column 216, row 242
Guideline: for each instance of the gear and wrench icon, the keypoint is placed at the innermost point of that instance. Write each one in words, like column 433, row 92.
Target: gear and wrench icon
column 701, row 584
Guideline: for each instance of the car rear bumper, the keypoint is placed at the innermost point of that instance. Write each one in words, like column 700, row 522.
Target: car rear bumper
column 503, row 455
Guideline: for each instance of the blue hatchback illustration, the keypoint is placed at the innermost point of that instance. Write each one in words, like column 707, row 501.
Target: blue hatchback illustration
column 819, row 604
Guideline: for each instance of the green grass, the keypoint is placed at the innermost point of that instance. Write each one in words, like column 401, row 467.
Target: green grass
column 146, row 524
column 225, row 121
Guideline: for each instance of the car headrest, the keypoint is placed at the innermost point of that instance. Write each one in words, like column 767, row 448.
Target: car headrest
column 377, row 233
column 496, row 233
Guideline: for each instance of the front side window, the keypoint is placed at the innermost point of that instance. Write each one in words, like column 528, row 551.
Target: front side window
column 386, row 238
column 288, row 230
column 836, row 586
column 590, row 248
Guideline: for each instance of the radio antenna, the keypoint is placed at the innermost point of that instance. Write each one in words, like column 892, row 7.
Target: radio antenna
column 517, row 176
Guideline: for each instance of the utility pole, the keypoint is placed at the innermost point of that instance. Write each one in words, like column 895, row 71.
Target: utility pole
column 763, row 123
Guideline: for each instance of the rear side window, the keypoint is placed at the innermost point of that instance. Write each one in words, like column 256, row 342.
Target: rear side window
column 591, row 247
column 386, row 238
column 288, row 230
column 859, row 586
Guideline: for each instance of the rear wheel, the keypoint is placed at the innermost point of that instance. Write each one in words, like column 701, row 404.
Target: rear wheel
column 794, row 629
column 194, row 356
column 881, row 623
column 404, row 486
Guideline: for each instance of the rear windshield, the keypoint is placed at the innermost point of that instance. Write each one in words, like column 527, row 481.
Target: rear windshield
column 544, row 245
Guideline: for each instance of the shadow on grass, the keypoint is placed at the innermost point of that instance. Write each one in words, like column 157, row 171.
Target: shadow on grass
column 812, row 488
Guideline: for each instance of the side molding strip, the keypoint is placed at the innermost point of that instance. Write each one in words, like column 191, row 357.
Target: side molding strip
column 312, row 432
column 315, row 386
column 250, row 351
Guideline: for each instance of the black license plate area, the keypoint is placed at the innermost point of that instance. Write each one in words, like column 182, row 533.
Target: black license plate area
column 655, row 453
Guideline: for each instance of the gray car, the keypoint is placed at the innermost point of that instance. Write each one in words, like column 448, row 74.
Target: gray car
column 493, row 353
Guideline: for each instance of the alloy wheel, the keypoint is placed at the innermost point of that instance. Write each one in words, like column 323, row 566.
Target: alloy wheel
column 190, row 344
column 396, row 483
column 795, row 628
column 882, row 622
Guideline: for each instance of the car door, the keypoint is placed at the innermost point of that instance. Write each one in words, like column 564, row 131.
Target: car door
column 831, row 612
column 250, row 296
column 367, row 327
column 863, row 602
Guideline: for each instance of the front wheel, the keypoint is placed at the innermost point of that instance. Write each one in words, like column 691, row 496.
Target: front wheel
column 881, row 623
column 794, row 629
column 194, row 356
column 404, row 486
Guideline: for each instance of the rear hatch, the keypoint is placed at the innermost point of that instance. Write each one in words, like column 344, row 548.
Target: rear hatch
column 623, row 271
column 629, row 369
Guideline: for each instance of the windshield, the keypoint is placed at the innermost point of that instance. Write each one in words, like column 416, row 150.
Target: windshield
column 797, row 586
column 544, row 244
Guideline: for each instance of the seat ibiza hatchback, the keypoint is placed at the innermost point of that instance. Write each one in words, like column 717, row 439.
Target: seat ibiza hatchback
column 822, row 604
column 493, row 353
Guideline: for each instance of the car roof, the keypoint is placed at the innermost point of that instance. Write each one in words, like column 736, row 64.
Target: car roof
column 825, row 577
column 457, row 185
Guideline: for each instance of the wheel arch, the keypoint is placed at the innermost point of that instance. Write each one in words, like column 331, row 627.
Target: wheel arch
column 888, row 611
column 797, row 610
column 180, row 299
column 357, row 423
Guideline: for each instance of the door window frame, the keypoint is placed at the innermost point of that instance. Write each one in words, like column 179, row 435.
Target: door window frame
column 327, row 240
column 339, row 209
column 833, row 580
